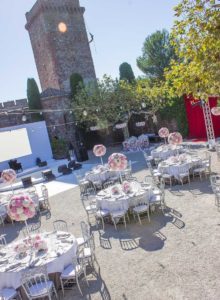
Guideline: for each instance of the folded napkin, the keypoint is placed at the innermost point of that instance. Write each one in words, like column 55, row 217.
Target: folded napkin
column 13, row 266
column 34, row 262
column 67, row 241
column 3, row 261
column 63, row 234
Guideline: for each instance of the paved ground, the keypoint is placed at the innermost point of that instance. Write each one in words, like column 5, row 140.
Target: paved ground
column 176, row 256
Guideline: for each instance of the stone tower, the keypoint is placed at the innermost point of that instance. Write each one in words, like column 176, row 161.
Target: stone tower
column 60, row 42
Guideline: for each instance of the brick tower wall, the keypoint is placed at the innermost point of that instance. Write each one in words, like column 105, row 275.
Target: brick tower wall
column 59, row 54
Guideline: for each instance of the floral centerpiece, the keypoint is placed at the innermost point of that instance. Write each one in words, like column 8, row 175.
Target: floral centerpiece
column 117, row 162
column 115, row 190
column 39, row 243
column 99, row 151
column 21, row 248
column 8, row 176
column 126, row 187
column 175, row 138
column 163, row 133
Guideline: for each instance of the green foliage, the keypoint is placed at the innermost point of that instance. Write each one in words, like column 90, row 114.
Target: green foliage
column 109, row 101
column 33, row 96
column 196, row 70
column 156, row 55
column 76, row 82
column 126, row 72
column 176, row 110
column 59, row 148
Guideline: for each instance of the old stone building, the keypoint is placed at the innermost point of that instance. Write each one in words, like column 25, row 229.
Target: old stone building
column 60, row 42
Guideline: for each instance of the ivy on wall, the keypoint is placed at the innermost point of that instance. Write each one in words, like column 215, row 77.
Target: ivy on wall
column 176, row 111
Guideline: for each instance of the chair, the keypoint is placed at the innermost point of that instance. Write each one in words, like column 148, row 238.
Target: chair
column 158, row 199
column 141, row 208
column 89, row 205
column 9, row 294
column 117, row 215
column 108, row 184
column 101, row 214
column 73, row 272
column 13, row 164
column 207, row 165
column 217, row 200
column 64, row 170
column 44, row 199
column 48, row 175
column 3, row 241
column 31, row 228
column 36, row 283
column 199, row 171
column 85, row 229
column 74, row 165
column 60, row 225
column 183, row 176
column 88, row 254
column 40, row 163
column 167, row 177
column 3, row 214
column 27, row 182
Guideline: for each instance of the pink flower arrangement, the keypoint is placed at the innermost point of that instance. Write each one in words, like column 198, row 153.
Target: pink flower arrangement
column 8, row 176
column 175, row 138
column 163, row 132
column 117, row 162
column 126, row 187
column 115, row 190
column 21, row 248
column 21, row 207
column 39, row 243
column 99, row 150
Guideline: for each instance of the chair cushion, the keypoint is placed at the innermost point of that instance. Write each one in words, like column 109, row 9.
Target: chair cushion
column 199, row 170
column 40, row 288
column 166, row 176
column 80, row 241
column 87, row 252
column 102, row 213
column 140, row 208
column 91, row 207
column 118, row 213
column 7, row 294
column 155, row 198
column 70, row 271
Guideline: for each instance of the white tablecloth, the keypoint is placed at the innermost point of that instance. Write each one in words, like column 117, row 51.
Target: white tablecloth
column 165, row 151
column 54, row 263
column 105, row 200
column 100, row 174
column 175, row 169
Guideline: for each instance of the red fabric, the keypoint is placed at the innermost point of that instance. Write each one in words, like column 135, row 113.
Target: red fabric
column 196, row 120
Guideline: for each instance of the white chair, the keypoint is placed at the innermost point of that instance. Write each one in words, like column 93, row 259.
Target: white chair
column 141, row 208
column 73, row 272
column 217, row 200
column 9, row 294
column 167, row 177
column 3, row 241
column 60, row 225
column 3, row 214
column 36, row 284
column 183, row 176
column 88, row 254
column 117, row 215
column 89, row 205
column 44, row 199
column 200, row 170
column 158, row 200
column 85, row 229
column 107, row 184
column 101, row 214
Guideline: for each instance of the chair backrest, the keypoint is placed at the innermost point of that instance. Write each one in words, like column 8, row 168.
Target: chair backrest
column 44, row 191
column 108, row 184
column 162, row 184
column 85, row 230
column 60, row 225
column 3, row 241
column 36, row 276
column 31, row 228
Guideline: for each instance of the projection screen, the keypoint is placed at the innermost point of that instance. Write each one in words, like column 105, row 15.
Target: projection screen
column 14, row 144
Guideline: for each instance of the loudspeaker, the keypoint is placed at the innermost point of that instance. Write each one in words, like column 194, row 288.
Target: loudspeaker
column 48, row 175
column 27, row 182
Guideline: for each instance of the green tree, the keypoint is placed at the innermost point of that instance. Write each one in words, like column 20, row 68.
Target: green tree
column 196, row 70
column 157, row 53
column 126, row 72
column 33, row 96
column 76, row 82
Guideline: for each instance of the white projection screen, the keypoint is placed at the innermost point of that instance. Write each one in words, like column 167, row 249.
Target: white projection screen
column 14, row 144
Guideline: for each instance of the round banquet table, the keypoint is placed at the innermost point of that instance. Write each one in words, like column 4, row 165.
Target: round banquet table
column 100, row 174
column 173, row 168
column 165, row 151
column 122, row 201
column 61, row 250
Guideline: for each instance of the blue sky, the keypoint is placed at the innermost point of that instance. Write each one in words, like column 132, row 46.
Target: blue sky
column 119, row 27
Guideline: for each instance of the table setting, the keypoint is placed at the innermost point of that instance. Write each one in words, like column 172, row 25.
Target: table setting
column 53, row 249
column 179, row 164
column 122, row 196
column 166, row 150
